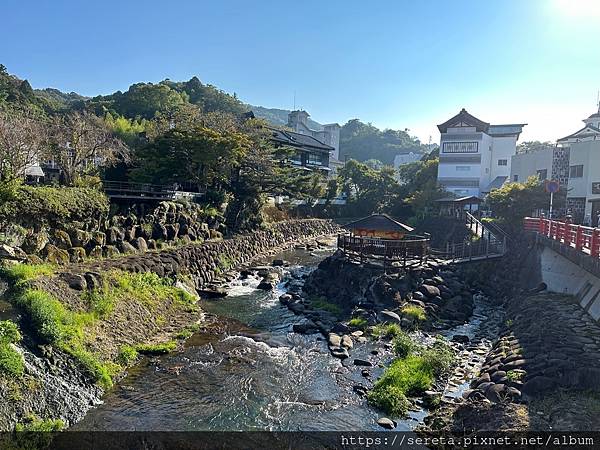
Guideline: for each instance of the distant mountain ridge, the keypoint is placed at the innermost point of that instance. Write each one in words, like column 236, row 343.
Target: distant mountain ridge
column 358, row 140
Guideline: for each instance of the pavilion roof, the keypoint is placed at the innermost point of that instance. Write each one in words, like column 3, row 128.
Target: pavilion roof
column 380, row 222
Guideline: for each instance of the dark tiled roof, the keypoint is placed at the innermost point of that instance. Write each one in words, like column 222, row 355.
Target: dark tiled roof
column 576, row 134
column 380, row 222
column 299, row 140
column 464, row 116
column 593, row 116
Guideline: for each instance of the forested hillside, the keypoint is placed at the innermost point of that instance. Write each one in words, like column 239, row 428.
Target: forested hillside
column 363, row 141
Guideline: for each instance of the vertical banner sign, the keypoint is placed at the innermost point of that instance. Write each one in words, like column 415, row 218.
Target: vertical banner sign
column 551, row 186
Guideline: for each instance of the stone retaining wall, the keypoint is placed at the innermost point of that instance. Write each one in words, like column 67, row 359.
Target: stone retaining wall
column 205, row 262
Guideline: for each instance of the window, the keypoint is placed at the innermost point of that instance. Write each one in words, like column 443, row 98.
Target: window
column 542, row 174
column 315, row 158
column 463, row 168
column 576, row 171
column 460, row 147
column 503, row 162
column 515, row 178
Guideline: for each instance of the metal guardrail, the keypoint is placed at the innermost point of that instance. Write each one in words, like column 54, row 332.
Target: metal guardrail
column 584, row 239
column 490, row 244
column 147, row 191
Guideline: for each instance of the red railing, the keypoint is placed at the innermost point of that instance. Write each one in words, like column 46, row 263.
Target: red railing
column 586, row 239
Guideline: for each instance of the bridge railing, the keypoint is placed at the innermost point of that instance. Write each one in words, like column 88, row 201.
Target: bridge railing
column 585, row 239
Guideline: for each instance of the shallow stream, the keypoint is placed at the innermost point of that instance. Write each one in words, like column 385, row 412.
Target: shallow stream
column 247, row 370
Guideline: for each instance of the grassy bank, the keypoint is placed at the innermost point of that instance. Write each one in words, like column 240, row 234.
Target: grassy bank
column 413, row 372
column 74, row 326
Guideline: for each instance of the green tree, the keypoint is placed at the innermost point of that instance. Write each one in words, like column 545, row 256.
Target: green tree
column 514, row 201
column 367, row 189
column 198, row 154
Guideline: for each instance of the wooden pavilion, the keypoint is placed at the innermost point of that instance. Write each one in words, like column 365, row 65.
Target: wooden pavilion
column 379, row 240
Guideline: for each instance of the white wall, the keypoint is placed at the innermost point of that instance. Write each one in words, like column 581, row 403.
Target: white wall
column 527, row 164
column 503, row 147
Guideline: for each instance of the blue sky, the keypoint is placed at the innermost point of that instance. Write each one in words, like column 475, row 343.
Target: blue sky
column 396, row 64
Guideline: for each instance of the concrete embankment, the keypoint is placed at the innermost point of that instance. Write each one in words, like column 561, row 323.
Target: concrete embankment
column 98, row 329
column 543, row 373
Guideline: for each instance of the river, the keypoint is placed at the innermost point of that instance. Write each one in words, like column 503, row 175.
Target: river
column 247, row 370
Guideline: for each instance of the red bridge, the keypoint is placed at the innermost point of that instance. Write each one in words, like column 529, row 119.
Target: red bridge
column 585, row 239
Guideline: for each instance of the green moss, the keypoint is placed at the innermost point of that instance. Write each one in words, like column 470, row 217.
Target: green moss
column 322, row 303
column 387, row 330
column 9, row 332
column 19, row 273
column 156, row 349
column 515, row 375
column 32, row 423
column 188, row 331
column 11, row 361
column 358, row 322
column 127, row 355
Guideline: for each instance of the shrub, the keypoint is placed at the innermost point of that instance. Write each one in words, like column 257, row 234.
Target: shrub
column 403, row 345
column 388, row 330
column 156, row 349
column 358, row 322
column 439, row 358
column 515, row 375
column 127, row 355
column 405, row 376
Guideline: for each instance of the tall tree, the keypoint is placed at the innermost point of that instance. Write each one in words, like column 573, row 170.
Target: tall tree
column 23, row 140
column 81, row 143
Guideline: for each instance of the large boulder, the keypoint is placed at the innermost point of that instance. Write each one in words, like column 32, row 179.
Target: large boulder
column 62, row 240
column 80, row 238
column 110, row 251
column 15, row 253
column 126, row 247
column 386, row 316
column 77, row 254
column 114, row 235
column 56, row 255
column 159, row 232
column 98, row 238
column 429, row 291
column 35, row 242
column 140, row 244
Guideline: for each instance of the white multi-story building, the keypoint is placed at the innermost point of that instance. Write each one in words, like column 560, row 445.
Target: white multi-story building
column 583, row 191
column 475, row 157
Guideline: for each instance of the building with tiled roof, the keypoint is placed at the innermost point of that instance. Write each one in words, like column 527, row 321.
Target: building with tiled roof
column 475, row 156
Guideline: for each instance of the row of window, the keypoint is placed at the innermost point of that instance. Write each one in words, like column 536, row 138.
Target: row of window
column 501, row 162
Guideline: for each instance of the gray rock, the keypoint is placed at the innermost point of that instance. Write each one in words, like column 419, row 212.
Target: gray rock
column 386, row 316
column 384, row 422
column 339, row 352
column 429, row 291
column 347, row 341
column 362, row 362
column 334, row 340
